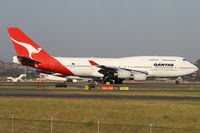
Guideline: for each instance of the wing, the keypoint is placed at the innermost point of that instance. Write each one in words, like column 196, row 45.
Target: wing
column 112, row 69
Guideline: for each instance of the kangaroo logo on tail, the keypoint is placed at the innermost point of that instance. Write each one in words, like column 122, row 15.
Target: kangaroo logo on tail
column 31, row 50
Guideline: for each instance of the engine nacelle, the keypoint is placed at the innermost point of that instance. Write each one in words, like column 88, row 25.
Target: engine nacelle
column 140, row 76
column 123, row 74
column 15, row 60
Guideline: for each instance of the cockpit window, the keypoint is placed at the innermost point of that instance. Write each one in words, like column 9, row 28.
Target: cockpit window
column 184, row 59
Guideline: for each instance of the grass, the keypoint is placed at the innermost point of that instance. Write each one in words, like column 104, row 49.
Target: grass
column 168, row 92
column 129, row 93
column 116, row 116
column 120, row 115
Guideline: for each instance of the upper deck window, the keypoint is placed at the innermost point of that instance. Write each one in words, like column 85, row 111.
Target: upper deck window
column 184, row 60
column 169, row 60
column 153, row 59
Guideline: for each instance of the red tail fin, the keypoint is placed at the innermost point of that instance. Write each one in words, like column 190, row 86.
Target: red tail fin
column 24, row 45
column 32, row 55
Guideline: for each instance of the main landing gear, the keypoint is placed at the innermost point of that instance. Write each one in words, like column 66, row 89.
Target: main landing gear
column 178, row 80
column 118, row 81
column 115, row 81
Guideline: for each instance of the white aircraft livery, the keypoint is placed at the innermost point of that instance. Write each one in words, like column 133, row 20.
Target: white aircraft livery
column 58, row 77
column 105, row 69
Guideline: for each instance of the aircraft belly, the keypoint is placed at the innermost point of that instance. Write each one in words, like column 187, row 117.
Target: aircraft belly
column 80, row 71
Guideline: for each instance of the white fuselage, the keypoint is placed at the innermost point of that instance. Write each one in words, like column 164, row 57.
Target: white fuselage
column 57, row 77
column 154, row 66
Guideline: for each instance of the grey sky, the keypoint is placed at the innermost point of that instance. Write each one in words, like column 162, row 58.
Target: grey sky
column 105, row 28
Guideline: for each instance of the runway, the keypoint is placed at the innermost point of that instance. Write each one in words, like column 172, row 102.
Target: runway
column 131, row 85
column 52, row 93
column 22, row 91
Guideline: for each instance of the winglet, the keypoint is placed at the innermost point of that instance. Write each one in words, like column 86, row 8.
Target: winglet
column 93, row 63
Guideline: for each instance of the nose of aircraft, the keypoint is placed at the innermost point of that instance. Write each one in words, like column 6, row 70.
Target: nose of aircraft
column 196, row 68
column 191, row 68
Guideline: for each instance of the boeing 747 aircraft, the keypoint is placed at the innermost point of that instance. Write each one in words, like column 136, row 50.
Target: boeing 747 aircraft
column 105, row 69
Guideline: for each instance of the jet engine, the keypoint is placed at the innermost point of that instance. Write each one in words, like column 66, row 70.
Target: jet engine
column 123, row 74
column 140, row 76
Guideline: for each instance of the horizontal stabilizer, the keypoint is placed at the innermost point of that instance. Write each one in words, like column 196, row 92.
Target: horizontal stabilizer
column 27, row 60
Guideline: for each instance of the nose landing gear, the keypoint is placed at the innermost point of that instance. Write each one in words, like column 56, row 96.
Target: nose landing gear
column 178, row 80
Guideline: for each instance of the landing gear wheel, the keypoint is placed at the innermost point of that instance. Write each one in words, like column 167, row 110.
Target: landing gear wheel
column 118, row 81
column 104, row 82
column 178, row 82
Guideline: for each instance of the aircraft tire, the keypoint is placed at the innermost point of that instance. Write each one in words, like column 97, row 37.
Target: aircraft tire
column 177, row 82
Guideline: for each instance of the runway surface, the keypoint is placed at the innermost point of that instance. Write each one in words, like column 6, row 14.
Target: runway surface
column 21, row 91
column 52, row 93
column 131, row 85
